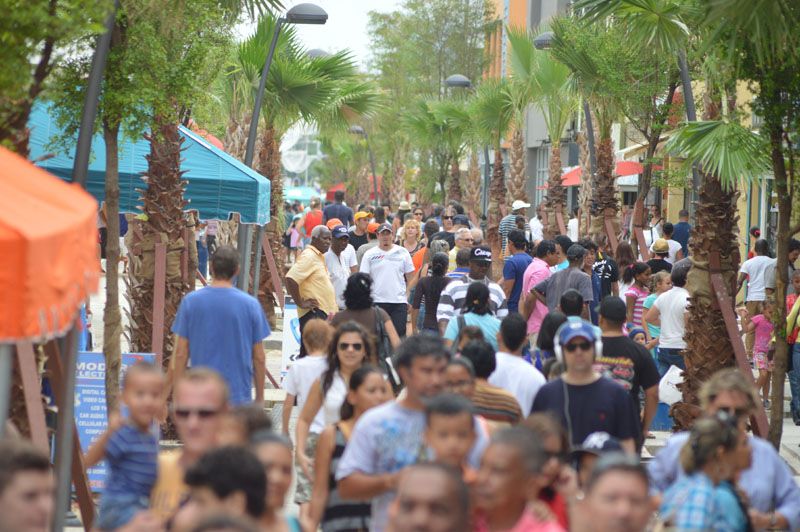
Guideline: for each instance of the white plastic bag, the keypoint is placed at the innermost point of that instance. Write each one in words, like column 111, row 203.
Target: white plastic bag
column 668, row 391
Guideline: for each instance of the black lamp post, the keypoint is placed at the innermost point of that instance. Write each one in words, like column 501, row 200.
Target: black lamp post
column 299, row 14
column 461, row 81
column 358, row 130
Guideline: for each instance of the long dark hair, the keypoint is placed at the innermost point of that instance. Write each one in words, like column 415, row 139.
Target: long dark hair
column 333, row 357
column 625, row 255
column 440, row 262
column 356, row 380
column 630, row 273
column 477, row 299
column 547, row 333
column 358, row 292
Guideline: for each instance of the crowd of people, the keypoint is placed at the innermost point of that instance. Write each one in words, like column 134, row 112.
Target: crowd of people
column 433, row 397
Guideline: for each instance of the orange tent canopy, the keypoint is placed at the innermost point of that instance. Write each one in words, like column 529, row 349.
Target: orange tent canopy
column 48, row 250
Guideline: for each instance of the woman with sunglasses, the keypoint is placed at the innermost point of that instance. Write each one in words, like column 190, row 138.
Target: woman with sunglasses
column 410, row 237
column 350, row 349
column 711, row 457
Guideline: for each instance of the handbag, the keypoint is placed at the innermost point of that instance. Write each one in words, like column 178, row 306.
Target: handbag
column 384, row 348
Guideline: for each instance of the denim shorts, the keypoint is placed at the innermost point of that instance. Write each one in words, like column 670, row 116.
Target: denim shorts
column 118, row 509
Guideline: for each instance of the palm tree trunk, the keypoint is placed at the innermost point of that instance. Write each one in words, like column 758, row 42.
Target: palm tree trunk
column 397, row 188
column 269, row 165
column 605, row 197
column 454, row 191
column 496, row 208
column 516, row 174
column 473, row 203
column 585, row 188
column 556, row 193
column 112, row 320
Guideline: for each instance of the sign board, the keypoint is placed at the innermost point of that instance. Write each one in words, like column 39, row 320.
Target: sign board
column 291, row 335
column 91, row 416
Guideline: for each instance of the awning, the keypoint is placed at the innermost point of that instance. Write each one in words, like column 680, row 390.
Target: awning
column 49, row 249
column 341, row 186
column 218, row 184
column 301, row 194
column 572, row 176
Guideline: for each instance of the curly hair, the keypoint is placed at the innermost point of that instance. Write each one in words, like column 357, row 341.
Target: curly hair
column 410, row 223
column 358, row 291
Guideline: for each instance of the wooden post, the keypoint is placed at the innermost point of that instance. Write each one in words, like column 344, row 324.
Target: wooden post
column 159, row 296
column 638, row 229
column 31, row 390
column 199, row 275
column 759, row 419
column 79, row 476
column 610, row 233
column 562, row 228
column 277, row 286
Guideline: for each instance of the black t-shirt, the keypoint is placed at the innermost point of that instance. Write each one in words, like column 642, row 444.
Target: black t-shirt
column 602, row 405
column 607, row 270
column 658, row 265
column 445, row 235
column 358, row 241
column 627, row 363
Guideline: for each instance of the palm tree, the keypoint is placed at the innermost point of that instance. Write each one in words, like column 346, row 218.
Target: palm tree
column 427, row 131
column 547, row 82
column 455, row 120
column 494, row 111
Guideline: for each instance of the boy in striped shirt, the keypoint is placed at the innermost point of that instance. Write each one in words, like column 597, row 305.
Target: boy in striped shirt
column 131, row 448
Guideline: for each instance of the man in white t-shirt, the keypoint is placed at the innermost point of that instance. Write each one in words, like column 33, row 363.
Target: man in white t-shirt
column 675, row 249
column 391, row 269
column 341, row 261
column 511, row 372
column 671, row 308
column 572, row 225
column 754, row 270
column 536, row 227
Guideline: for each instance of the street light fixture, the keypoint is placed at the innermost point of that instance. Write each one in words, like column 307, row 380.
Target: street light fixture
column 461, row 81
column 299, row 14
column 358, row 130
column 316, row 53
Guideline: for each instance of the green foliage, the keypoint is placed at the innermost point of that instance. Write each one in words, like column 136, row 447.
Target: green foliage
column 494, row 110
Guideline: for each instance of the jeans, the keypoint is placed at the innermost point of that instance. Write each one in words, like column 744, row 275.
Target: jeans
column 794, row 377
column 669, row 357
column 398, row 312
column 118, row 509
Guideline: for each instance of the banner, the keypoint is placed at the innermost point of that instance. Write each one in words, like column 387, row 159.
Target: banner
column 91, row 416
column 291, row 335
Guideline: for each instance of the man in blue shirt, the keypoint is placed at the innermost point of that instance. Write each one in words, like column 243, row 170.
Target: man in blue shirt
column 222, row 328
column 681, row 233
column 339, row 210
column 514, row 268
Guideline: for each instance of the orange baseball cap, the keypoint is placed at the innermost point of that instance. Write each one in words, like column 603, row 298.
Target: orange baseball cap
column 361, row 214
column 373, row 227
column 333, row 222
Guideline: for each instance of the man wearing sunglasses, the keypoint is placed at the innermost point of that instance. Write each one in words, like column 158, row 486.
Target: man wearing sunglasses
column 772, row 492
column 584, row 401
column 448, row 231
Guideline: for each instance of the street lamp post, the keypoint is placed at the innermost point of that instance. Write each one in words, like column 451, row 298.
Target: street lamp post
column 461, row 81
column 358, row 130
column 299, row 14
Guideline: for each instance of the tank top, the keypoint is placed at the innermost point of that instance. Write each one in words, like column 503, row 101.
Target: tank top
column 313, row 219
column 334, row 398
column 341, row 515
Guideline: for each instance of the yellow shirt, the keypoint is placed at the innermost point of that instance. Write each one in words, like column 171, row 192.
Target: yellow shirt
column 311, row 276
column 169, row 491
column 453, row 253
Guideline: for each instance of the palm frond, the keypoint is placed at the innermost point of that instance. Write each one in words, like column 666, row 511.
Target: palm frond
column 494, row 109
column 731, row 151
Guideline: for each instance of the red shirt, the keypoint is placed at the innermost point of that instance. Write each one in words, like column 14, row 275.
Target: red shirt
column 313, row 219
column 790, row 300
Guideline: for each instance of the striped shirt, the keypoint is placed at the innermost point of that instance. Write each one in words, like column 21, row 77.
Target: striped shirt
column 132, row 462
column 639, row 296
column 496, row 404
column 507, row 224
column 340, row 514
column 452, row 300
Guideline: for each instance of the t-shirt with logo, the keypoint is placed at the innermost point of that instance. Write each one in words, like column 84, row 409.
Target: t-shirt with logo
column 607, row 270
column 628, row 364
column 388, row 269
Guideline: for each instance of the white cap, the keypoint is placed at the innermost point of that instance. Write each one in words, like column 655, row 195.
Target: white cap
column 519, row 204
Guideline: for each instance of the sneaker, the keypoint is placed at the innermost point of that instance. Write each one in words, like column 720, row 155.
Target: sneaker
column 766, row 403
column 796, row 417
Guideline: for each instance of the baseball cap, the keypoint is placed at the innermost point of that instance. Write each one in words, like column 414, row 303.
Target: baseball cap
column 460, row 219
column 613, row 309
column 373, row 227
column 384, row 227
column 480, row 254
column 576, row 251
column 519, row 204
column 661, row 246
column 404, row 206
column 574, row 329
column 340, row 231
column 598, row 444
column 361, row 214
column 333, row 222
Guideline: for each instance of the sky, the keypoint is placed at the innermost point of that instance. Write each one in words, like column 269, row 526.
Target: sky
column 346, row 26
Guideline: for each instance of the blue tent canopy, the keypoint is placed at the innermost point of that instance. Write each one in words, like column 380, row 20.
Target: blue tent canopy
column 218, row 184
column 301, row 194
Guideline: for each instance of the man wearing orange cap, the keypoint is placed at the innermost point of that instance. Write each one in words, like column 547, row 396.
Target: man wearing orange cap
column 372, row 235
column 358, row 233
column 333, row 222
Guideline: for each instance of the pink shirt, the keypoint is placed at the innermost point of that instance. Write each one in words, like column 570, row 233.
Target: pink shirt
column 536, row 272
column 764, row 329
column 527, row 523
column 638, row 305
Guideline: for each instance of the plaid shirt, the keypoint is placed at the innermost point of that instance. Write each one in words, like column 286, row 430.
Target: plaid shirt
column 691, row 504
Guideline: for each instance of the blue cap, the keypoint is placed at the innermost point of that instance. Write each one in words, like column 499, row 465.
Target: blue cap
column 574, row 329
column 340, row 231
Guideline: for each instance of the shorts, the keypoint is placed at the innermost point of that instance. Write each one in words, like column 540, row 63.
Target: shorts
column 302, row 493
column 762, row 362
column 117, row 510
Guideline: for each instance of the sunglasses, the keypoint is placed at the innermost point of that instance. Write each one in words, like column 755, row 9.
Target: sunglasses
column 447, row 217
column 583, row 346
column 343, row 346
column 418, row 214
column 183, row 413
